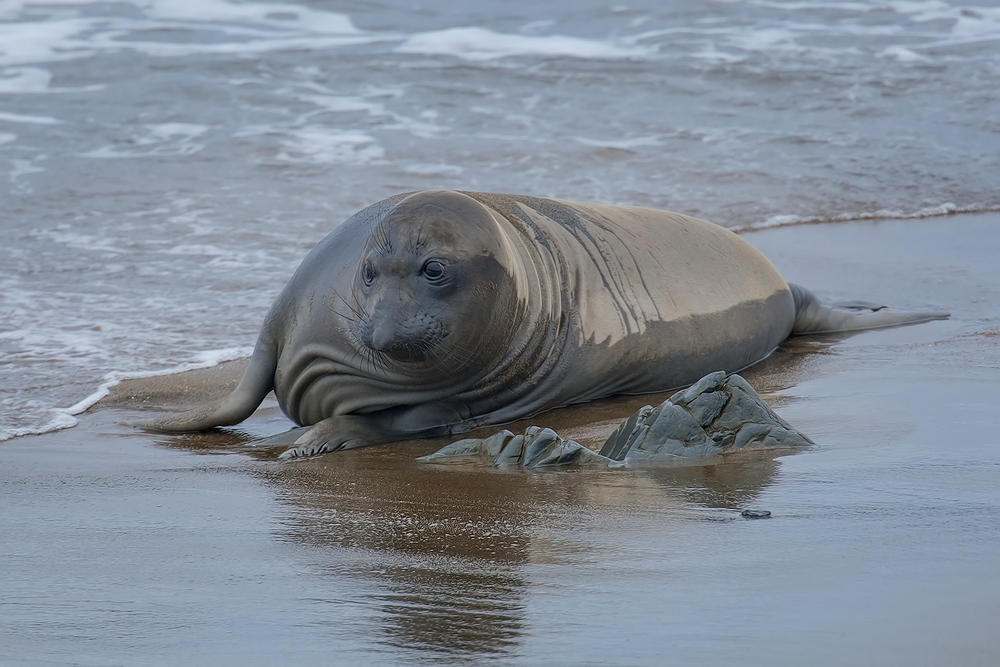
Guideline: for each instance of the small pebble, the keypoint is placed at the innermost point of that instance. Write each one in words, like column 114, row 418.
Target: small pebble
column 755, row 514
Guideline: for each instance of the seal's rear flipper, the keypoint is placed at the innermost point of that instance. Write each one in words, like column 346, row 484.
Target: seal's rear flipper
column 813, row 317
column 257, row 381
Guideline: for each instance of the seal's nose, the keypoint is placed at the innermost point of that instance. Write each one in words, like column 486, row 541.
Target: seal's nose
column 382, row 336
column 383, row 328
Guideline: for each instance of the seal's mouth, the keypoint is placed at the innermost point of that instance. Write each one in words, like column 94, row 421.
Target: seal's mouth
column 405, row 351
column 436, row 355
column 422, row 347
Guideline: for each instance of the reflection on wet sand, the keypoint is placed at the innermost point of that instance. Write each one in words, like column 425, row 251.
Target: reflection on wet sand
column 449, row 546
column 443, row 549
column 448, row 549
column 460, row 613
column 732, row 485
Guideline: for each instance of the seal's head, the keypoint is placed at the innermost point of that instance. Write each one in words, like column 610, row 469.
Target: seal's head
column 434, row 284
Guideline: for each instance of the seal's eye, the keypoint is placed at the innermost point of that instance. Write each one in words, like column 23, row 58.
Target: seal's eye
column 434, row 271
column 368, row 272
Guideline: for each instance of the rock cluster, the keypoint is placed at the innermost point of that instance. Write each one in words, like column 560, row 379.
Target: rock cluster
column 719, row 413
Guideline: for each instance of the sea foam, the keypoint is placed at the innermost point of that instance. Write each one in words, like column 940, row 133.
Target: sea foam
column 62, row 418
column 480, row 44
column 880, row 214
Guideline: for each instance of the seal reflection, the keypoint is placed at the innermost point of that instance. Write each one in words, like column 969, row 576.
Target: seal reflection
column 444, row 550
column 454, row 552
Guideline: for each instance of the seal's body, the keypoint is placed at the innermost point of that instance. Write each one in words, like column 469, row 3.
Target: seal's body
column 436, row 312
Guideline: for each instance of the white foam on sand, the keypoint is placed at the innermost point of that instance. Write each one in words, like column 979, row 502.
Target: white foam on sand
column 202, row 360
column 881, row 214
column 481, row 44
column 66, row 417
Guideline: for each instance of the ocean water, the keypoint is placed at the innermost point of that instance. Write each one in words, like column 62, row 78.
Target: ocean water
column 165, row 164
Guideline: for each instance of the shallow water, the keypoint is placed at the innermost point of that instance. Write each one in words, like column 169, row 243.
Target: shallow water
column 168, row 163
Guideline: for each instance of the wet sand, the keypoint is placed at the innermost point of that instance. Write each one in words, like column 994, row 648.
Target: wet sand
column 122, row 547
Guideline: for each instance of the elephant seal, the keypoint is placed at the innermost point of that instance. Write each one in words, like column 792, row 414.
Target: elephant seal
column 437, row 312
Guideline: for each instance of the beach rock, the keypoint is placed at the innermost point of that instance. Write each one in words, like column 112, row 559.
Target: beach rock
column 719, row 413
column 537, row 447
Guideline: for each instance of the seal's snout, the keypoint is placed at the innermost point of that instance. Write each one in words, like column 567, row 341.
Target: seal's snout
column 383, row 338
column 401, row 341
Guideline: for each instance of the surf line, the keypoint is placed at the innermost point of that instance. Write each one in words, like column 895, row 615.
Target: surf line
column 66, row 417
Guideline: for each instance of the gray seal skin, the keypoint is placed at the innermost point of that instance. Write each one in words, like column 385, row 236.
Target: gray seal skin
column 437, row 312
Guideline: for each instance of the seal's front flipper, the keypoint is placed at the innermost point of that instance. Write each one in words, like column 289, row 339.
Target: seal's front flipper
column 257, row 381
column 337, row 433
column 375, row 428
column 813, row 317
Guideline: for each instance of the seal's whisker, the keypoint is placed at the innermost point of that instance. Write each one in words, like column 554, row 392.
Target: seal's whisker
column 383, row 360
column 353, row 308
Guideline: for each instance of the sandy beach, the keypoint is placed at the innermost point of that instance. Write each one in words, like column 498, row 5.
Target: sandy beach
column 124, row 547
